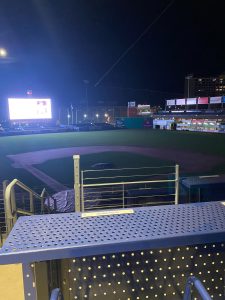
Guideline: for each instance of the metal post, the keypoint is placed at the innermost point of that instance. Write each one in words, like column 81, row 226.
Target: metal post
column 13, row 210
column 187, row 291
column 56, row 294
column 199, row 195
column 82, row 191
column 192, row 280
column 42, row 200
column 10, row 208
column 76, row 159
column 176, row 184
column 31, row 202
column 4, row 184
column 123, row 196
column 29, row 282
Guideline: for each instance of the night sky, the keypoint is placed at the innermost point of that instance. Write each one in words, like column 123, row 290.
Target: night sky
column 55, row 45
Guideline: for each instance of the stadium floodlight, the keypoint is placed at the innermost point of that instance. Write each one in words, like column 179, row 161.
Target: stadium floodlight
column 3, row 52
column 106, row 115
column 85, row 116
column 97, row 115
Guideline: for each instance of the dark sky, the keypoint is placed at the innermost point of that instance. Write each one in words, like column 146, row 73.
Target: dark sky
column 54, row 45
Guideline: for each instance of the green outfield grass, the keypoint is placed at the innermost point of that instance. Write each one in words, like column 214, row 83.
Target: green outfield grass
column 205, row 143
column 208, row 143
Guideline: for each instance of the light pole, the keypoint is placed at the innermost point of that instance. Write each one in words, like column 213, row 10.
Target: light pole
column 106, row 115
column 68, row 116
column 71, row 107
column 76, row 115
column 86, row 82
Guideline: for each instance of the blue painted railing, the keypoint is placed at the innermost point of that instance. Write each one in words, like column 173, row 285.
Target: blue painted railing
column 56, row 294
column 194, row 281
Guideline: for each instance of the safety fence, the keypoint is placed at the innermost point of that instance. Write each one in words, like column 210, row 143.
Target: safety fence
column 94, row 189
column 18, row 200
column 129, row 187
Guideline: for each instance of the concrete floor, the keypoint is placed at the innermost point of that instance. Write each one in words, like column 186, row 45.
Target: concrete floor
column 11, row 282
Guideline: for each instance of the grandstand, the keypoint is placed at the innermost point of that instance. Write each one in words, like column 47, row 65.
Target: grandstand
column 205, row 114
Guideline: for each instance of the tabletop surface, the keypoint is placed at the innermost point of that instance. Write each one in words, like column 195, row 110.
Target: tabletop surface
column 57, row 236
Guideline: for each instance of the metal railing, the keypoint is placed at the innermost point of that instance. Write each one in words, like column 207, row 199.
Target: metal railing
column 194, row 281
column 56, row 294
column 128, row 187
column 27, row 205
column 2, row 212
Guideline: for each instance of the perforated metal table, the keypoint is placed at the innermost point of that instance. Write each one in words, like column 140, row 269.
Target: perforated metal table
column 66, row 236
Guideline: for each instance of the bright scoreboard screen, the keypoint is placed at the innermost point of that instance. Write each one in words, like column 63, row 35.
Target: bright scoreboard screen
column 29, row 109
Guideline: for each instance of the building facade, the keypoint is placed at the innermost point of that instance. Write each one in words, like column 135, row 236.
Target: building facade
column 201, row 86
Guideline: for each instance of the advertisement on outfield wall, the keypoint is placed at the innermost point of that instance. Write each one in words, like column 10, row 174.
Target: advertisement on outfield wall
column 223, row 99
column 215, row 100
column 29, row 109
column 180, row 101
column 191, row 101
column 170, row 102
column 203, row 100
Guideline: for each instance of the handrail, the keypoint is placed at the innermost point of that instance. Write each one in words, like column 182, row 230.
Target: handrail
column 192, row 280
column 56, row 294
column 81, row 185
column 127, row 182
column 10, row 202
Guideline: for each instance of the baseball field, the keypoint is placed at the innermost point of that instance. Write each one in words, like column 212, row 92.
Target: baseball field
column 40, row 158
